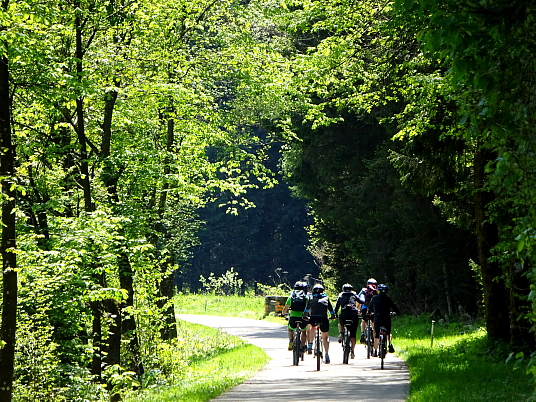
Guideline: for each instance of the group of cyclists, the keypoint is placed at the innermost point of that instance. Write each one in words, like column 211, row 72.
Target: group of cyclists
column 314, row 309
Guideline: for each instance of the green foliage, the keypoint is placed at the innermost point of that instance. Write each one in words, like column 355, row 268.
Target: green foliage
column 227, row 284
column 118, row 119
column 282, row 289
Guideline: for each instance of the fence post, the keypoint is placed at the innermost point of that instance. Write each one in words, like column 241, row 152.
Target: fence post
column 432, row 335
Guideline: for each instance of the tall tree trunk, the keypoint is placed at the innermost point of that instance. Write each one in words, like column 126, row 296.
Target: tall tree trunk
column 125, row 323
column 166, row 286
column 495, row 307
column 110, row 178
column 8, row 243
column 96, row 364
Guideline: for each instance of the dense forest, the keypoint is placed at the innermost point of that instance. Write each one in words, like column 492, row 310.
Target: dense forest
column 146, row 143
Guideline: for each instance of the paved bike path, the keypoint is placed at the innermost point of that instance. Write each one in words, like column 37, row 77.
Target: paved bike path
column 361, row 380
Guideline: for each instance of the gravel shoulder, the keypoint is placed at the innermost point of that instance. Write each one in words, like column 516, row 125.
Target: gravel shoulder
column 360, row 380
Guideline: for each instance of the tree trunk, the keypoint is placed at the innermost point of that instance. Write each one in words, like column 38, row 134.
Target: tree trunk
column 495, row 294
column 129, row 328
column 447, row 290
column 96, row 364
column 166, row 293
column 8, row 243
column 166, row 289
column 520, row 308
column 126, row 323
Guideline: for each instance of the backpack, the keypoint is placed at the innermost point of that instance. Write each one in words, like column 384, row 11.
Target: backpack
column 298, row 300
column 348, row 301
column 370, row 292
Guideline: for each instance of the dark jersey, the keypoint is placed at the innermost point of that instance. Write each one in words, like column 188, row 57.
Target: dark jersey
column 346, row 301
column 382, row 305
column 319, row 305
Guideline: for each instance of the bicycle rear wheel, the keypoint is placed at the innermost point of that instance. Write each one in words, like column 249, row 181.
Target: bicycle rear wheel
column 382, row 347
column 369, row 340
column 318, row 348
column 296, row 349
column 346, row 345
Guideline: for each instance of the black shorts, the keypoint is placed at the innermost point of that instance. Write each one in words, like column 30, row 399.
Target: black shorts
column 378, row 324
column 292, row 323
column 350, row 315
column 322, row 322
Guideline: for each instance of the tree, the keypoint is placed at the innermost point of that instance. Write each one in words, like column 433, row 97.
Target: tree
column 8, row 244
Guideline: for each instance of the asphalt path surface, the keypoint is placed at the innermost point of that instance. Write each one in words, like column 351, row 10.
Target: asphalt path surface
column 360, row 380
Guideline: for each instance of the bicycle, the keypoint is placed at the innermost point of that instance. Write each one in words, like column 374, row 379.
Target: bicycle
column 346, row 341
column 382, row 345
column 297, row 348
column 369, row 335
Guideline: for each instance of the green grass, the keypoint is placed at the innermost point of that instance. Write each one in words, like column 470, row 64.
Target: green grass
column 207, row 379
column 202, row 364
column 223, row 306
column 462, row 365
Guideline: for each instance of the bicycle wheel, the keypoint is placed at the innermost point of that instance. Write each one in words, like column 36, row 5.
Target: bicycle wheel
column 318, row 348
column 369, row 341
column 382, row 347
column 381, row 351
column 296, row 348
column 346, row 344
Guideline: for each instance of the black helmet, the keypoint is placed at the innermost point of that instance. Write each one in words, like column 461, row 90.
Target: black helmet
column 383, row 288
column 318, row 289
column 298, row 285
column 372, row 281
column 347, row 287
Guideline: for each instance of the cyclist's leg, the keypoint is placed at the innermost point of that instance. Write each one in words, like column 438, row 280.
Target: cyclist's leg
column 309, row 336
column 363, row 325
column 312, row 332
column 376, row 337
column 353, row 330
column 291, row 327
column 304, row 336
column 324, row 328
column 389, row 339
column 340, row 325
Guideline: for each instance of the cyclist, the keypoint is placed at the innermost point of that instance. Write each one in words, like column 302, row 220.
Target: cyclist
column 364, row 296
column 348, row 302
column 297, row 303
column 381, row 305
column 318, row 307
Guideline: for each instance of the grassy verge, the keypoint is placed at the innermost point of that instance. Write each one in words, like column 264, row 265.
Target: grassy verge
column 461, row 365
column 201, row 365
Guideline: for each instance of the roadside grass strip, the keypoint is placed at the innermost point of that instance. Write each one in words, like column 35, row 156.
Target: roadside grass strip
column 460, row 365
column 203, row 364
